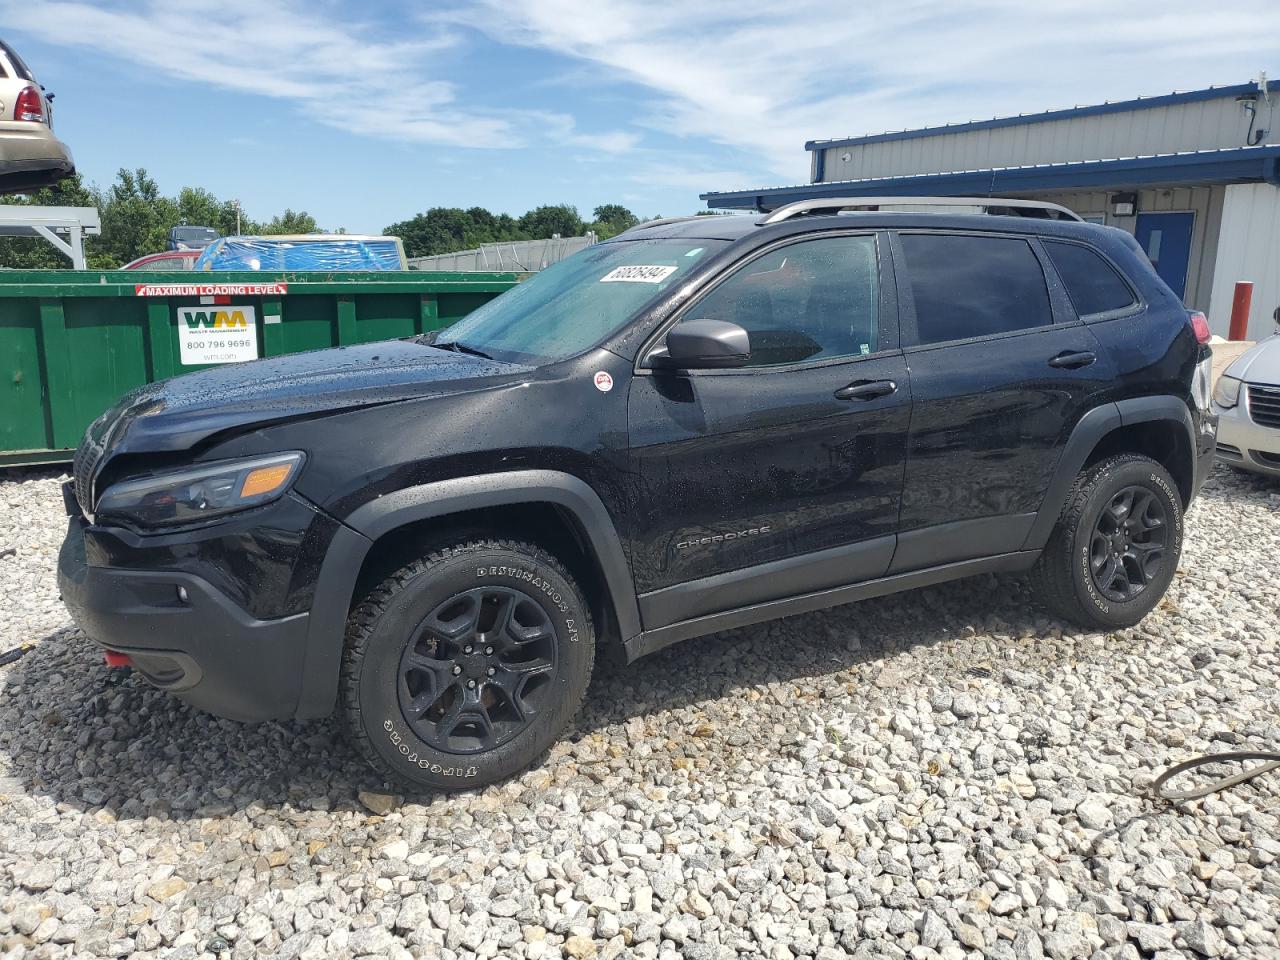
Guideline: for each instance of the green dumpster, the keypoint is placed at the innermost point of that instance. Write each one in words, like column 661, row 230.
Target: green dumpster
column 72, row 342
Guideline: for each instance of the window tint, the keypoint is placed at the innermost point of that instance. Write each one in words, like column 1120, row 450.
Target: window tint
column 974, row 286
column 1091, row 283
column 813, row 300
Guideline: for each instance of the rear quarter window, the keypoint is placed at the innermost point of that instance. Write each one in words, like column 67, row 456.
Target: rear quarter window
column 1091, row 282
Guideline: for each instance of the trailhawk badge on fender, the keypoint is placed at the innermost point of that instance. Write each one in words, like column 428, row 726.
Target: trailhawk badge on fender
column 604, row 382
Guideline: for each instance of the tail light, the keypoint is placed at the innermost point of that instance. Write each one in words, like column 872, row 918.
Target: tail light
column 1201, row 326
column 29, row 106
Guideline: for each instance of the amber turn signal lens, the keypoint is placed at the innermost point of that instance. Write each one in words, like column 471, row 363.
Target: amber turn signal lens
column 265, row 480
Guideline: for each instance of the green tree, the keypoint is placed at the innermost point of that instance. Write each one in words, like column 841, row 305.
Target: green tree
column 198, row 207
column 543, row 222
column 611, row 219
column 291, row 221
column 136, row 218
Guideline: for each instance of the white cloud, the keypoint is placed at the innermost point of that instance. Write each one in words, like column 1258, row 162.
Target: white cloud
column 766, row 76
column 334, row 67
column 757, row 76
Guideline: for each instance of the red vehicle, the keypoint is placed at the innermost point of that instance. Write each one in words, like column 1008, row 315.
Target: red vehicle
column 165, row 260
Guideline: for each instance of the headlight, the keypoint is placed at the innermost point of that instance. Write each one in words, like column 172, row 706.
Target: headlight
column 1227, row 393
column 200, row 493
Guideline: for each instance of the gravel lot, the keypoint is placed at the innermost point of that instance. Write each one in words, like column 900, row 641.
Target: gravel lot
column 947, row 773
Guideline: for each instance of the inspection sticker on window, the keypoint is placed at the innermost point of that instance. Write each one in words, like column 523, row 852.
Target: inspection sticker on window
column 637, row 274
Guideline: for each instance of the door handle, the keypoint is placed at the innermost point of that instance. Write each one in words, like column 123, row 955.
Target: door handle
column 1073, row 359
column 866, row 390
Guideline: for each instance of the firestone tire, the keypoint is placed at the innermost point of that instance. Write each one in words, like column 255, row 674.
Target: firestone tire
column 489, row 715
column 1070, row 578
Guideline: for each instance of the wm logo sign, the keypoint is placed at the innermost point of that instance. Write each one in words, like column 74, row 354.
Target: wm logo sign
column 214, row 319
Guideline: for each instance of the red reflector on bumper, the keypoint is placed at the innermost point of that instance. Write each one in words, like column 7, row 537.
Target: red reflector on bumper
column 118, row 659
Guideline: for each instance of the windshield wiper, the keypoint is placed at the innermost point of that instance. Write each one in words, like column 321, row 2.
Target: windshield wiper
column 457, row 347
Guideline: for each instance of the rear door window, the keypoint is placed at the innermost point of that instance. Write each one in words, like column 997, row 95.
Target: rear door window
column 974, row 286
column 1092, row 284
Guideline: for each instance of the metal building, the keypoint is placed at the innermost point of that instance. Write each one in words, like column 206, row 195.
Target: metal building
column 1194, row 176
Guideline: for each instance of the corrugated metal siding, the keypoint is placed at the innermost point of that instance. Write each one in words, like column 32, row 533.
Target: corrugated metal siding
column 1204, row 125
column 1248, row 249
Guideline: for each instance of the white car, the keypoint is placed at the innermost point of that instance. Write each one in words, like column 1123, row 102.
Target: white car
column 1247, row 402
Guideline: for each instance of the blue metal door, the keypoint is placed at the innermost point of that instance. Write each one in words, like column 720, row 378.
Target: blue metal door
column 1167, row 239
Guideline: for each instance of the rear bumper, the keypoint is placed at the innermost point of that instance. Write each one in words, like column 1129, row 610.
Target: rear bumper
column 200, row 645
column 17, row 176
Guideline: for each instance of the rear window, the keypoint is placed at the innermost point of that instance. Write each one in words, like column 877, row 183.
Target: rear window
column 16, row 62
column 969, row 286
column 1092, row 284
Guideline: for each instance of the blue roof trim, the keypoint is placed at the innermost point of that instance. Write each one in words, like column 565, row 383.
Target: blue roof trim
column 1239, row 165
column 1119, row 106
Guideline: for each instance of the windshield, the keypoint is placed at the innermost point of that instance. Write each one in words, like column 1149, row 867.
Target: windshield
column 574, row 304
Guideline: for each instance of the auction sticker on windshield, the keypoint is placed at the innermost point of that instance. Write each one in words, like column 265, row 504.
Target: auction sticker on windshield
column 637, row 274
column 217, row 334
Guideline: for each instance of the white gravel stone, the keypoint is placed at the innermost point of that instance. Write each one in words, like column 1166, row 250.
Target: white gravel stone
column 949, row 774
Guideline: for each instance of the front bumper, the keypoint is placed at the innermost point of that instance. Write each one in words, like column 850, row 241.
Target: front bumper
column 1245, row 444
column 185, row 635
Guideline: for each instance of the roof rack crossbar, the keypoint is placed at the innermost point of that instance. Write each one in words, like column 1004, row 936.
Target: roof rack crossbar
column 853, row 203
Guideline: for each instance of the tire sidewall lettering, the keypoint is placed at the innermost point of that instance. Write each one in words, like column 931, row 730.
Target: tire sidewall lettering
column 441, row 770
column 539, row 583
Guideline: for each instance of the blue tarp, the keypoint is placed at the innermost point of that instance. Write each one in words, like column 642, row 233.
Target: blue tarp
column 335, row 252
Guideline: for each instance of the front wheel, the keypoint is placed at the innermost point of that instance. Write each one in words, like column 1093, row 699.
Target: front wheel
column 464, row 665
column 1116, row 546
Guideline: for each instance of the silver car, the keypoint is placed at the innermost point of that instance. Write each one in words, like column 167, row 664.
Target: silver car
column 1247, row 402
column 30, row 155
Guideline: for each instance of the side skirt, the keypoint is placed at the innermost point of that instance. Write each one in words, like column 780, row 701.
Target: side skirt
column 651, row 641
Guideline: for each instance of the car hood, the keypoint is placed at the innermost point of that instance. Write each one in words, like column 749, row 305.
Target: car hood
column 1258, row 364
column 179, row 413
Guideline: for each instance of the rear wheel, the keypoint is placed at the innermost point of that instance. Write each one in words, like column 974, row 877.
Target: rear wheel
column 463, row 666
column 1116, row 546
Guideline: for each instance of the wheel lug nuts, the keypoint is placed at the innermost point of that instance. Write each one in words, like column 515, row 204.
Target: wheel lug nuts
column 471, row 683
column 492, row 671
column 456, row 670
column 467, row 649
column 488, row 651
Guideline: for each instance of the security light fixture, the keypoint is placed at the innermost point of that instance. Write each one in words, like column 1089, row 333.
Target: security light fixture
column 1124, row 204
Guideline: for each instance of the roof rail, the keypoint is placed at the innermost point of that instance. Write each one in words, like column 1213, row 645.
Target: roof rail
column 985, row 204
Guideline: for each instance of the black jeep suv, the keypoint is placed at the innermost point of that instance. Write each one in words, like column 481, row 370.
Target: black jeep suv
column 697, row 425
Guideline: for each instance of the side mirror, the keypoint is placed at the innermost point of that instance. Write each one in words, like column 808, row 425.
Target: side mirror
column 704, row 345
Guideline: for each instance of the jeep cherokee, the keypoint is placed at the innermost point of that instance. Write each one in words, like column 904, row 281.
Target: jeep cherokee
column 697, row 425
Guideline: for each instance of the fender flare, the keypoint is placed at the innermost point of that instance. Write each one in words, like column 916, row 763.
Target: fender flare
column 346, row 554
column 1087, row 433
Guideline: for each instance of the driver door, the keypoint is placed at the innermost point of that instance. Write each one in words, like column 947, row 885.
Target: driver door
column 785, row 475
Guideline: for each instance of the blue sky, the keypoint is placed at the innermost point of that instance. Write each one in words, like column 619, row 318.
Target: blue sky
column 364, row 114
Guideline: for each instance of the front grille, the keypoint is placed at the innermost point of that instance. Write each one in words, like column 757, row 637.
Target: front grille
column 82, row 467
column 1264, row 405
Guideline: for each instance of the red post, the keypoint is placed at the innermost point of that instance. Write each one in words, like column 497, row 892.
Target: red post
column 1240, row 310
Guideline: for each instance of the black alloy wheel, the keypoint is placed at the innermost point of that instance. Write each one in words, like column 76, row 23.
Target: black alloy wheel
column 478, row 669
column 1129, row 543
